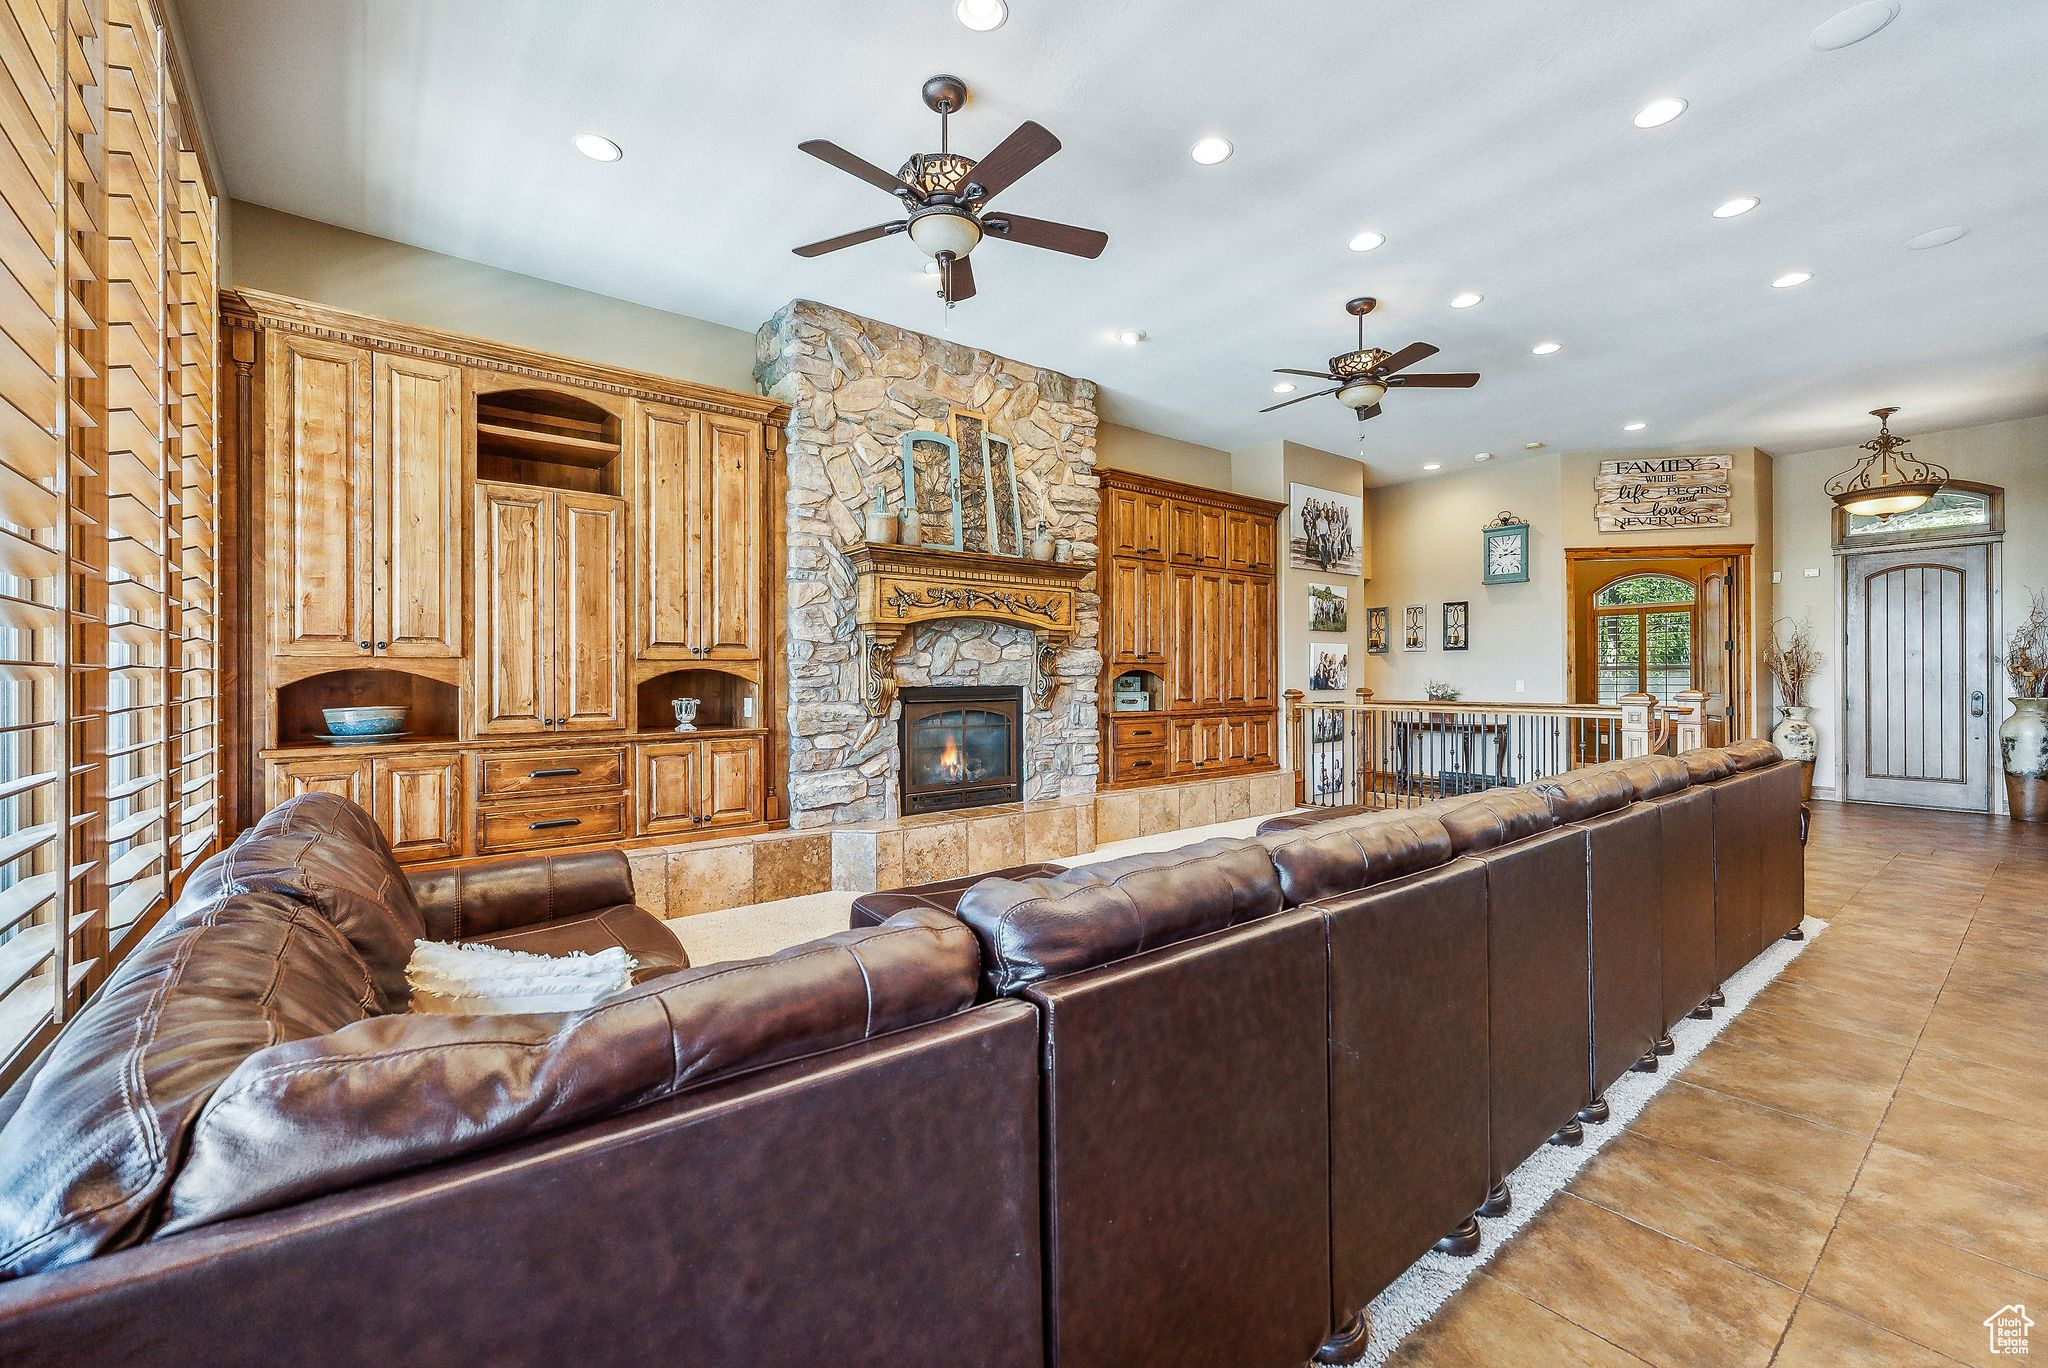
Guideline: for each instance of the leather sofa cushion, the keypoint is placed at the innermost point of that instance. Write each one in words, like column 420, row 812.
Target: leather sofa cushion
column 1336, row 857
column 87, row 1158
column 480, row 898
column 324, row 851
column 1577, row 795
column 1653, row 776
column 1481, row 821
column 941, row 895
column 396, row 1092
column 1754, row 754
column 1037, row 929
column 641, row 934
column 1312, row 816
column 1706, row 764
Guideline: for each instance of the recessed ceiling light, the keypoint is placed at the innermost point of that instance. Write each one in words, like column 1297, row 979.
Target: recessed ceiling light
column 1365, row 241
column 1532, row 446
column 1209, row 151
column 1791, row 278
column 1657, row 113
column 597, row 148
column 1854, row 24
column 1546, row 348
column 1434, row 465
column 1482, row 456
column 1465, row 300
column 1130, row 337
column 981, row 15
column 1738, row 206
column 1283, row 388
column 1938, row 237
column 1633, row 427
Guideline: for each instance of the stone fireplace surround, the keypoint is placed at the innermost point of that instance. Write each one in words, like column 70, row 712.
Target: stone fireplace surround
column 854, row 387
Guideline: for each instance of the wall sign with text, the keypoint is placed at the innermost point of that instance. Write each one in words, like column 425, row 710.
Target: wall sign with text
column 1664, row 492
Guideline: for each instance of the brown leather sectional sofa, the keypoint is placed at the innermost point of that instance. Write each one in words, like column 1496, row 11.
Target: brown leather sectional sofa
column 1196, row 1107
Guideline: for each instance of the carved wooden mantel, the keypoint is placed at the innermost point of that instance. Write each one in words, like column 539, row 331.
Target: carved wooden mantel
column 899, row 588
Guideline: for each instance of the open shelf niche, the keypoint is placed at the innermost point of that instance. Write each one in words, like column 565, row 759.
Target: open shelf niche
column 1154, row 688
column 723, row 699
column 435, row 706
column 547, row 438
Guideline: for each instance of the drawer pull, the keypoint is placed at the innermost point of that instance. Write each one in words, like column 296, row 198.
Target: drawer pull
column 553, row 822
column 557, row 772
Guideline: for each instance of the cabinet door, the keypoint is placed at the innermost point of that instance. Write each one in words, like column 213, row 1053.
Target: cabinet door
column 346, row 775
column 729, row 512
column 1154, row 613
column 318, row 538
column 1251, row 640
column 589, row 627
column 1236, row 644
column 1197, row 745
column 1198, row 534
column 1137, row 524
column 1200, row 638
column 1250, row 542
column 668, row 528
column 416, row 498
column 1252, row 746
column 671, row 786
column 513, row 671
column 1126, row 611
column 732, row 781
column 1182, row 681
column 418, row 802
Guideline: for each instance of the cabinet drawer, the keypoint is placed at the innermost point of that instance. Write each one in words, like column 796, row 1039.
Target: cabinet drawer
column 1132, row 766
column 569, row 821
column 516, row 773
column 1138, row 732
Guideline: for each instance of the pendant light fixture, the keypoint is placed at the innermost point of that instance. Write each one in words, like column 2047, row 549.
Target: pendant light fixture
column 1890, row 479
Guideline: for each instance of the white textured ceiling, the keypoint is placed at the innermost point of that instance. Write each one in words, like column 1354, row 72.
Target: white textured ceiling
column 1489, row 140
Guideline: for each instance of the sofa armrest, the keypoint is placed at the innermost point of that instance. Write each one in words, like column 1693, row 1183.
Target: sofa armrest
column 484, row 897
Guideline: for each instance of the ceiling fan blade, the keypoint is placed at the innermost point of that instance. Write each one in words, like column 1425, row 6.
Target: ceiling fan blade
column 832, row 154
column 1369, row 411
column 1313, row 375
column 1297, row 399
column 1060, row 237
column 1446, row 380
column 849, row 239
column 1407, row 356
column 1010, row 159
column 959, row 279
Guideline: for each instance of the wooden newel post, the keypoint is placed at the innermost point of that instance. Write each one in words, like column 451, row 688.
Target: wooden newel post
column 1690, row 705
column 1297, row 747
column 1637, row 712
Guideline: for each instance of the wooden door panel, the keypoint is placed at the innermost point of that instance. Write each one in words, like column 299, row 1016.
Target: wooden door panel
column 1154, row 612
column 345, row 775
column 418, row 802
column 589, row 628
column 732, row 781
column 1261, row 642
column 671, row 786
column 1213, row 636
column 1235, row 644
column 669, row 529
column 1182, row 682
column 729, row 512
column 416, row 498
column 318, row 538
column 1249, row 539
column 513, row 673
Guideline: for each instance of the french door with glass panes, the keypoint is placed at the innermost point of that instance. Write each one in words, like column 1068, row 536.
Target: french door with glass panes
column 1658, row 623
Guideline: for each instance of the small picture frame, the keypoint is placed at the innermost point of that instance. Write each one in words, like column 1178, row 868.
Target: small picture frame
column 1457, row 623
column 1415, row 627
column 1329, row 608
column 1379, row 635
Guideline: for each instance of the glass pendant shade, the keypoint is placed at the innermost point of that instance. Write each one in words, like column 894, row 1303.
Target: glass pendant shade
column 945, row 231
column 1361, row 395
column 1889, row 479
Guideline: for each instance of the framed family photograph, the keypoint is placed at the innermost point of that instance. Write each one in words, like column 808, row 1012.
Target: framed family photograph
column 1324, row 530
column 1329, row 608
column 1329, row 667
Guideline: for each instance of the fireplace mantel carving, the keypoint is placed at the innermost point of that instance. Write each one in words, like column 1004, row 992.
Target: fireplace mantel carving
column 901, row 588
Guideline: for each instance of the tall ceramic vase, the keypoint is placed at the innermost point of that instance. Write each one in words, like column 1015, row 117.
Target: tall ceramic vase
column 2023, row 742
column 1796, row 739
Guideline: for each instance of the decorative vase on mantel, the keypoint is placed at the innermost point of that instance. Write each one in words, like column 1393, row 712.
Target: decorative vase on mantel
column 2023, row 743
column 1796, row 739
column 1043, row 543
column 880, row 525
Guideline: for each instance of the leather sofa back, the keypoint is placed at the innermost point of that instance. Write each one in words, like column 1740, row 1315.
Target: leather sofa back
column 1032, row 930
column 1654, row 776
column 1577, row 795
column 457, row 901
column 1497, row 817
column 1333, row 857
column 1706, row 765
column 395, row 1093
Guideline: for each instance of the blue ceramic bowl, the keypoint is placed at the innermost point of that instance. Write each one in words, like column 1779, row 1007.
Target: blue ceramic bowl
column 364, row 721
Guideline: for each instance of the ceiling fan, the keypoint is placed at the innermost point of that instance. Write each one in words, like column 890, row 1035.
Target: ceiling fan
column 1363, row 377
column 945, row 196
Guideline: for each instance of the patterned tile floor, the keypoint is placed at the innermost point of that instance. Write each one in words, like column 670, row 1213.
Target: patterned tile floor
column 1854, row 1174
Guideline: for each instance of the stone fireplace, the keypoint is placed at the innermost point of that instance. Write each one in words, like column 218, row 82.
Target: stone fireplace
column 854, row 387
column 961, row 747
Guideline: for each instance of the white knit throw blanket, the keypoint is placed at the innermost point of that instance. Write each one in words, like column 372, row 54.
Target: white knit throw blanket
column 484, row 980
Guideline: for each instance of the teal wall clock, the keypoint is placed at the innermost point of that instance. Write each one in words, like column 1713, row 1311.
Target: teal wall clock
column 1504, row 551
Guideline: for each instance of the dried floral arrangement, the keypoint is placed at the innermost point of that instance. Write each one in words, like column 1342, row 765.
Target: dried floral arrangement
column 1793, row 661
column 1436, row 691
column 2026, row 652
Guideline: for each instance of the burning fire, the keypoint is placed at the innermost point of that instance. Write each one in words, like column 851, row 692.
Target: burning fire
column 949, row 760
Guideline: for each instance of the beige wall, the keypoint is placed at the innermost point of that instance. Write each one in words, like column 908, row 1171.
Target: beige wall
column 1164, row 458
column 2012, row 455
column 293, row 256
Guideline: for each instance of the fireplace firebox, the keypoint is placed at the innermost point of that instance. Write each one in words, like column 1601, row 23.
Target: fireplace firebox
column 961, row 747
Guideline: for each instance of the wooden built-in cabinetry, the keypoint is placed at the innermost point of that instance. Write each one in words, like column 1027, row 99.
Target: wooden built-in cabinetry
column 1188, row 604
column 535, row 555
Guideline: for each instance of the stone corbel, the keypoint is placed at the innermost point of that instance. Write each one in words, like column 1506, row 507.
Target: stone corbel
column 877, row 655
column 1045, row 677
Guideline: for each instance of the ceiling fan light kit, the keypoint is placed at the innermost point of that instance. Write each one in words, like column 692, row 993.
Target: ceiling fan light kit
column 1890, row 479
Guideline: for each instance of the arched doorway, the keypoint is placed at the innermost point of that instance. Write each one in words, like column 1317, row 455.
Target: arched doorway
column 1659, row 621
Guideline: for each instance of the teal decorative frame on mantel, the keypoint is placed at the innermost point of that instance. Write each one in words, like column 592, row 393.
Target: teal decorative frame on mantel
column 927, row 479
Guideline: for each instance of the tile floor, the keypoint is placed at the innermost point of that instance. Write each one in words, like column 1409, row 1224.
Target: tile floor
column 1854, row 1174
